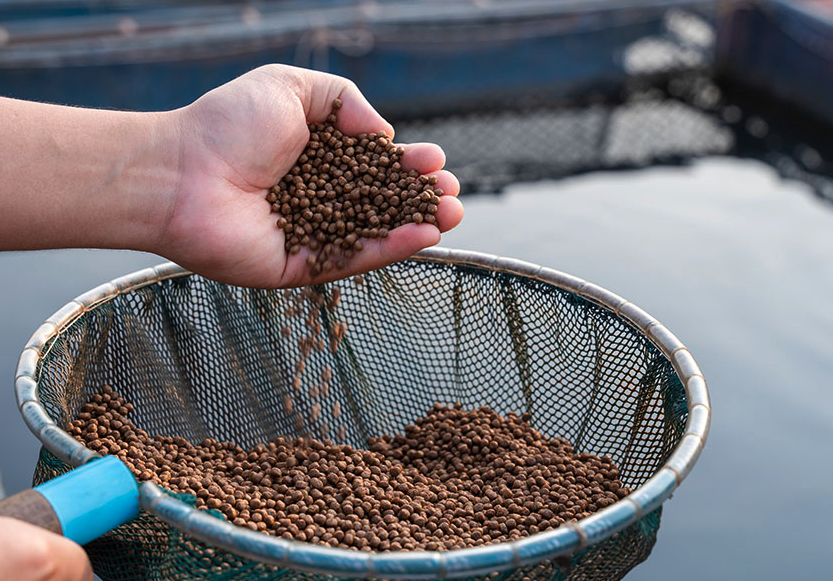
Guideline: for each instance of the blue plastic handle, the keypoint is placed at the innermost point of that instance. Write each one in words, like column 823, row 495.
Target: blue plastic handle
column 93, row 499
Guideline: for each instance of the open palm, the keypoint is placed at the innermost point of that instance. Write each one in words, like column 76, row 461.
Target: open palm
column 241, row 139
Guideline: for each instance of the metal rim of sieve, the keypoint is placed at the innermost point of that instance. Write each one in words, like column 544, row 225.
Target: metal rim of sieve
column 304, row 556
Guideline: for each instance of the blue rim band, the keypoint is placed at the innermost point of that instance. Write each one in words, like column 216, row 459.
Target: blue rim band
column 93, row 499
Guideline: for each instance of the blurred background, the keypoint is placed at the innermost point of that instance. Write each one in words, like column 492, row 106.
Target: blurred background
column 678, row 153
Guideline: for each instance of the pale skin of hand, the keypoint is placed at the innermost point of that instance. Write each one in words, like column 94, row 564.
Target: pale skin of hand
column 28, row 553
column 189, row 185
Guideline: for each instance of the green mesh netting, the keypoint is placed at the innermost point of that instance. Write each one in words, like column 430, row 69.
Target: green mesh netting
column 200, row 359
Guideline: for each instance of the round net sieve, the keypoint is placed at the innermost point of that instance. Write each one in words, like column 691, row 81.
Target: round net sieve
column 201, row 359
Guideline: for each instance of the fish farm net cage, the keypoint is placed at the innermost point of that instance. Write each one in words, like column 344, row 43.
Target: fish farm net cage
column 514, row 90
column 201, row 359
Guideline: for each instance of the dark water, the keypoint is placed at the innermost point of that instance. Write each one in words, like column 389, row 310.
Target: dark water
column 734, row 261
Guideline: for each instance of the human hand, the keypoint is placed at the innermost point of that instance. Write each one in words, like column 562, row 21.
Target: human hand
column 239, row 140
column 29, row 553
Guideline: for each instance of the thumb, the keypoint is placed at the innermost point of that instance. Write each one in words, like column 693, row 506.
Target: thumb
column 29, row 553
column 356, row 115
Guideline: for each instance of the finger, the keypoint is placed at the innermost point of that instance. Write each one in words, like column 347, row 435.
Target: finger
column 29, row 553
column 427, row 159
column 423, row 157
column 447, row 182
column 401, row 243
column 356, row 115
column 449, row 213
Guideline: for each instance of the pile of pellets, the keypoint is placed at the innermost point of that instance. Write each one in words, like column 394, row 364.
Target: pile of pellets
column 455, row 478
column 344, row 189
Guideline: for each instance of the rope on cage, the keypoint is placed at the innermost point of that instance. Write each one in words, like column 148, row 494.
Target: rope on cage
column 312, row 49
column 496, row 26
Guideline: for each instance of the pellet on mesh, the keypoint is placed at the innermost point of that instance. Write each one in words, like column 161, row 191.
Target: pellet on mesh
column 454, row 478
column 343, row 190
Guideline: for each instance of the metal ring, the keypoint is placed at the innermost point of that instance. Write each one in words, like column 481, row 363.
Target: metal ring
column 394, row 564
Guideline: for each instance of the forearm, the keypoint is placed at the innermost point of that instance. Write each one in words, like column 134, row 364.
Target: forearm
column 74, row 177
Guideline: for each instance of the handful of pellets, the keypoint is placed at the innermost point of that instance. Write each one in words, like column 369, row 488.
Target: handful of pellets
column 343, row 189
column 454, row 479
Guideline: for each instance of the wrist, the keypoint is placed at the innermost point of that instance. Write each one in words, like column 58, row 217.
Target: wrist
column 149, row 183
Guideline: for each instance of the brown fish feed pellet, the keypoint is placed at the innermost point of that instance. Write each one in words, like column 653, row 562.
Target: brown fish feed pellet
column 455, row 478
column 345, row 189
column 308, row 306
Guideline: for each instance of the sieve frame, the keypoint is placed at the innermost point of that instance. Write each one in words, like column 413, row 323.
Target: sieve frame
column 564, row 540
